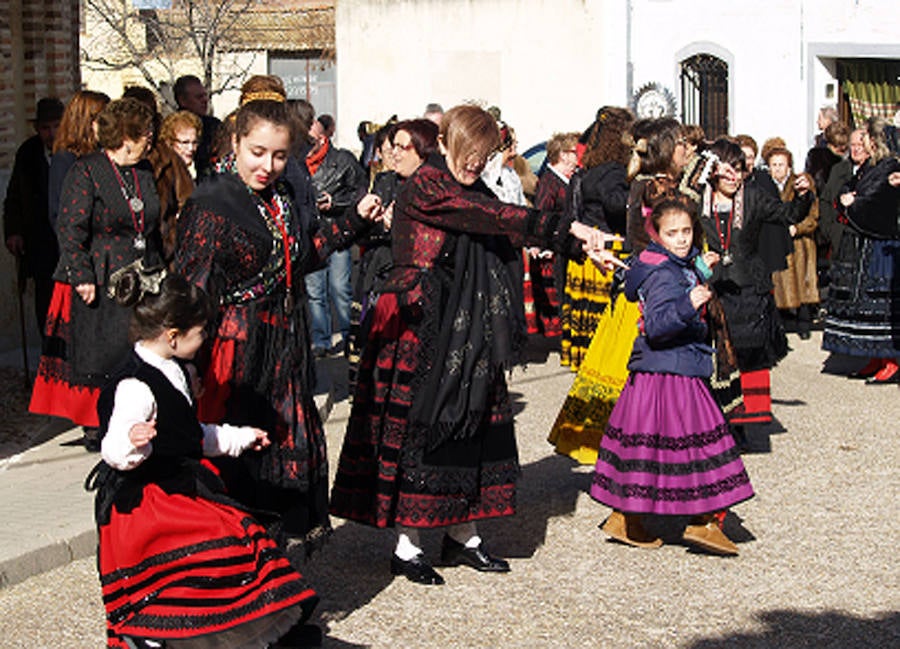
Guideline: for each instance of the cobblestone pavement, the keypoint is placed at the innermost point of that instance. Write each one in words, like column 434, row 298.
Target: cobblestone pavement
column 817, row 565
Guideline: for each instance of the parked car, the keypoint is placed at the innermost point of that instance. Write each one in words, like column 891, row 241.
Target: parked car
column 536, row 156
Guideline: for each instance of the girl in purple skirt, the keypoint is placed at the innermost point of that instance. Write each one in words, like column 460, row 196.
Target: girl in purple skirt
column 667, row 448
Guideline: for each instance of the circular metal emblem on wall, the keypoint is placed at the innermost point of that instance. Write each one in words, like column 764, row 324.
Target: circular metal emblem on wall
column 653, row 100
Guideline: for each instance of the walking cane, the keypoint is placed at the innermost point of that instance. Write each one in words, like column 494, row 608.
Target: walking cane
column 20, row 291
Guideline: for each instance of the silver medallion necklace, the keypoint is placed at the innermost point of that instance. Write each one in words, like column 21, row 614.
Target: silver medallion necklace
column 135, row 204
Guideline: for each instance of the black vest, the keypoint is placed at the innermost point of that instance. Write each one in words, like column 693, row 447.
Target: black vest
column 178, row 433
column 177, row 448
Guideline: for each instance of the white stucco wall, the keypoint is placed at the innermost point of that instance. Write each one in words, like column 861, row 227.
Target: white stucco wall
column 777, row 80
column 550, row 64
column 545, row 63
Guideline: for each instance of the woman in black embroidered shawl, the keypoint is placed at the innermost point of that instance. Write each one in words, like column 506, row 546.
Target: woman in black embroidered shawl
column 733, row 214
column 242, row 238
column 430, row 441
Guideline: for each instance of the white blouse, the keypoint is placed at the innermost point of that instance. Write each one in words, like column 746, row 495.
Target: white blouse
column 134, row 403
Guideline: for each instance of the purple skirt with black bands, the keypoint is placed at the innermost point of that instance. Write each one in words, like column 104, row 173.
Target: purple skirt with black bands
column 667, row 450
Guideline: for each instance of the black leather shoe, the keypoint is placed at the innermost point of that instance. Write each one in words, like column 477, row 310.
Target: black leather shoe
column 91, row 439
column 416, row 569
column 455, row 553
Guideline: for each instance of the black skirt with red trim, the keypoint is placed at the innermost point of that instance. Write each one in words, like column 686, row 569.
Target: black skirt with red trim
column 386, row 476
column 71, row 371
column 177, row 567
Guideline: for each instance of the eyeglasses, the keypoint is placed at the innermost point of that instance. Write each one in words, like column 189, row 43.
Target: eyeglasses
column 409, row 146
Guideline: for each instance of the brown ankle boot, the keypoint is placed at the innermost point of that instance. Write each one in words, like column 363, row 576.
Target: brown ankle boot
column 705, row 533
column 629, row 529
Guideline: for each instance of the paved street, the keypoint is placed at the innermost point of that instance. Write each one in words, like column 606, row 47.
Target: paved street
column 817, row 565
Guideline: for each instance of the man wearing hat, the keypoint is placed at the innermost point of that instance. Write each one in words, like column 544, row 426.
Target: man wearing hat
column 26, row 226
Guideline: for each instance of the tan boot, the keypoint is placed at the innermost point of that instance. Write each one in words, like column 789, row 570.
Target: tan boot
column 629, row 529
column 705, row 533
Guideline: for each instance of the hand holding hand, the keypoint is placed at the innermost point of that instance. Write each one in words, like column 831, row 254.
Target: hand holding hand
column 700, row 295
column 592, row 237
column 605, row 260
column 141, row 433
column 86, row 292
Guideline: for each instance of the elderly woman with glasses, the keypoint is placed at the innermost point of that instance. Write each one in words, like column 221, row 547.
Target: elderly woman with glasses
column 108, row 219
column 430, row 440
column 182, row 131
column 404, row 147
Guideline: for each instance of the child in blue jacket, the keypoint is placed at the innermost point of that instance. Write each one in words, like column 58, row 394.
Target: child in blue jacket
column 667, row 449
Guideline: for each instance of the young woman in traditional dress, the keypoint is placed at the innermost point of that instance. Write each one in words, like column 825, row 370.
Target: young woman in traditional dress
column 667, row 449
column 243, row 239
column 732, row 216
column 659, row 153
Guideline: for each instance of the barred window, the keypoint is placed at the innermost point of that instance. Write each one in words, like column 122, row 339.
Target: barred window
column 704, row 93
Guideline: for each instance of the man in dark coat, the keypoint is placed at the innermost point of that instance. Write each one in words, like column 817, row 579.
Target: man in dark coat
column 26, row 225
column 339, row 182
column 191, row 94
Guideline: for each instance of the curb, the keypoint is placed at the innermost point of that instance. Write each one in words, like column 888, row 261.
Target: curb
column 48, row 557
column 80, row 542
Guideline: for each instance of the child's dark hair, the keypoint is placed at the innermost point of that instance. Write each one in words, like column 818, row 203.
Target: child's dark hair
column 666, row 207
column 178, row 305
column 671, row 205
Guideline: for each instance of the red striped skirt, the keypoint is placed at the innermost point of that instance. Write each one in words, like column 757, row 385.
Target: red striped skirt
column 179, row 566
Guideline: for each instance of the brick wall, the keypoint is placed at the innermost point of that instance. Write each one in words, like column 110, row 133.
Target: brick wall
column 38, row 58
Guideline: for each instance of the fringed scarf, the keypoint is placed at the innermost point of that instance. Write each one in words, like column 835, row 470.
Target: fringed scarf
column 474, row 328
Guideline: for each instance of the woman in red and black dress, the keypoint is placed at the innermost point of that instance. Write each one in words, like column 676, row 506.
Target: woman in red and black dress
column 108, row 218
column 430, row 441
column 242, row 238
column 544, row 317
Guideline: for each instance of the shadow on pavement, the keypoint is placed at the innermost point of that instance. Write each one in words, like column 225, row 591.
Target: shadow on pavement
column 842, row 365
column 19, row 429
column 548, row 488
column 829, row 630
column 352, row 569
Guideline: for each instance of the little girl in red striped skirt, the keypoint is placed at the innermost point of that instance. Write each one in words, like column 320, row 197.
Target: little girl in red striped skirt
column 181, row 564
